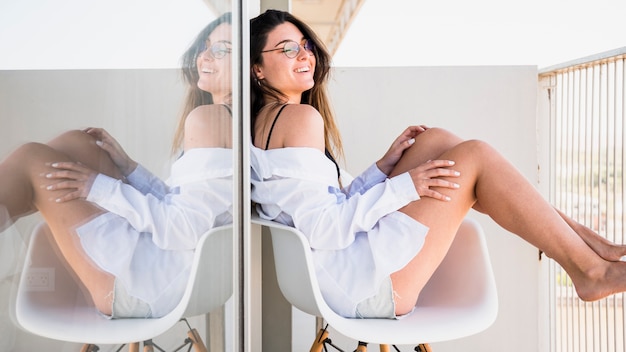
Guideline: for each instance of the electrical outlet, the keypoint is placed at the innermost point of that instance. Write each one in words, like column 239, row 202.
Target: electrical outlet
column 40, row 279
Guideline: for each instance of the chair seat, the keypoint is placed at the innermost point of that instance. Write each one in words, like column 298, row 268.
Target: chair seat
column 458, row 301
column 61, row 312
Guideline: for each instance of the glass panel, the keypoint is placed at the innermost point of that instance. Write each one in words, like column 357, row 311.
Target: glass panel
column 133, row 101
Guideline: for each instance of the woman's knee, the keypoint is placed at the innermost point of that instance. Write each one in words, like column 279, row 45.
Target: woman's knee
column 81, row 147
column 476, row 148
column 72, row 142
column 438, row 137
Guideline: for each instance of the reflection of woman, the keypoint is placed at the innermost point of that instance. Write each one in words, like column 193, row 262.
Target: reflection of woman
column 377, row 241
column 128, row 236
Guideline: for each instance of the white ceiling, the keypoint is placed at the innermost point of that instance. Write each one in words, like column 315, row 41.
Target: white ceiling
column 330, row 19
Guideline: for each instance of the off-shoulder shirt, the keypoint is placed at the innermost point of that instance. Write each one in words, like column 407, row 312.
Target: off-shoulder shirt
column 148, row 235
column 357, row 236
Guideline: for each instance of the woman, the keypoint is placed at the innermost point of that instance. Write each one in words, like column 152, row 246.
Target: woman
column 378, row 240
column 128, row 236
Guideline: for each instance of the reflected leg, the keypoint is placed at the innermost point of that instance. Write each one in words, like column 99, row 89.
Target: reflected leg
column 23, row 190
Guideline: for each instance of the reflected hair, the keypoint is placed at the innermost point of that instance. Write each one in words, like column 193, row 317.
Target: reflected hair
column 194, row 96
column 260, row 27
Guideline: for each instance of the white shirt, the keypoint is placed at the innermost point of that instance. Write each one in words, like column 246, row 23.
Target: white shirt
column 357, row 236
column 148, row 236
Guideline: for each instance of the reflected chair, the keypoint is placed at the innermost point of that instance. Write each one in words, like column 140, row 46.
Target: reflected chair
column 458, row 301
column 50, row 303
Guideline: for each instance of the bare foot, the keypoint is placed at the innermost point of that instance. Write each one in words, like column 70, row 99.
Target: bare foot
column 601, row 282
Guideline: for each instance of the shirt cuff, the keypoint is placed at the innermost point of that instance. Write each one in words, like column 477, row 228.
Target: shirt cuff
column 377, row 173
column 138, row 174
column 404, row 183
column 102, row 188
column 138, row 178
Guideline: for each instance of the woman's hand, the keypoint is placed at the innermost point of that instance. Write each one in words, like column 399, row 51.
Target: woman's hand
column 429, row 175
column 74, row 177
column 115, row 150
column 393, row 155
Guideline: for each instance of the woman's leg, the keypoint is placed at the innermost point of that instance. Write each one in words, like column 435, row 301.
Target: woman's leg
column 23, row 190
column 506, row 196
column 17, row 187
column 434, row 142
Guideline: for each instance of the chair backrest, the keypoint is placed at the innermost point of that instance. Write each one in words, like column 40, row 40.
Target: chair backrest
column 459, row 300
column 61, row 312
column 294, row 267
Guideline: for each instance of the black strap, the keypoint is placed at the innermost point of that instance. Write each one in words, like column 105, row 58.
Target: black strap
column 326, row 151
column 269, row 135
column 330, row 156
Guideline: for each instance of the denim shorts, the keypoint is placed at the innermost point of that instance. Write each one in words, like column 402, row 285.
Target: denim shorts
column 127, row 306
column 381, row 305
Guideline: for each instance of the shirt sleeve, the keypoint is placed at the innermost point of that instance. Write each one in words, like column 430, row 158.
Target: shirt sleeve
column 370, row 177
column 146, row 182
column 178, row 219
column 335, row 226
column 299, row 187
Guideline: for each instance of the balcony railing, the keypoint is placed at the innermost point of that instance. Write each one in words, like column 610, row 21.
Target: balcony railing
column 587, row 114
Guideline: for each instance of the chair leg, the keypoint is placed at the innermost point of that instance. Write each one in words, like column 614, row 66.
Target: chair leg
column 133, row 347
column 384, row 348
column 361, row 347
column 148, row 347
column 423, row 348
column 89, row 348
column 318, row 344
column 196, row 340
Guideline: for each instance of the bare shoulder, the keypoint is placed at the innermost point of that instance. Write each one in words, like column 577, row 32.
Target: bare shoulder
column 211, row 110
column 208, row 126
column 208, row 115
column 303, row 126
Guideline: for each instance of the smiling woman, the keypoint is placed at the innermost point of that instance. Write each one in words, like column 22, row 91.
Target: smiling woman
column 68, row 177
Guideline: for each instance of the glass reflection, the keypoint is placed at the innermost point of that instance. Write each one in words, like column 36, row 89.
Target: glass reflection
column 127, row 237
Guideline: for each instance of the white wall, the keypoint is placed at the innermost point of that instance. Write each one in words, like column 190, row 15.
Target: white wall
column 138, row 107
column 495, row 104
column 373, row 105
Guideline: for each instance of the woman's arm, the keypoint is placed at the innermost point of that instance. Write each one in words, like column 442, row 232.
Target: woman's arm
column 175, row 221
column 147, row 183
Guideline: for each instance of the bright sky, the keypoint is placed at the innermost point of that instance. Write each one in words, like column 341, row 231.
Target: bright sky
column 481, row 32
column 77, row 34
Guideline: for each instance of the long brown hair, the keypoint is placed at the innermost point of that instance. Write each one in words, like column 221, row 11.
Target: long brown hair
column 317, row 96
column 194, row 96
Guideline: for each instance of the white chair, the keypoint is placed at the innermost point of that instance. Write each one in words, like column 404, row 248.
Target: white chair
column 49, row 303
column 459, row 300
